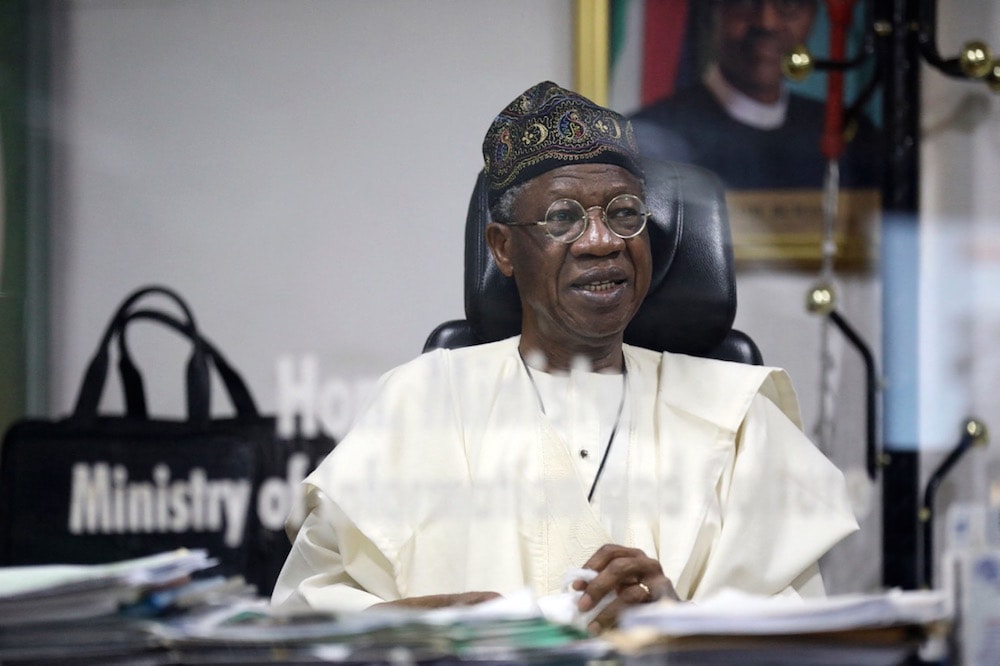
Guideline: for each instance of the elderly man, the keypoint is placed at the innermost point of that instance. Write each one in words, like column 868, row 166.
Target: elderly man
column 481, row 471
column 741, row 121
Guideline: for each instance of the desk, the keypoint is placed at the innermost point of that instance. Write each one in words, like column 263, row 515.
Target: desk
column 148, row 611
column 113, row 641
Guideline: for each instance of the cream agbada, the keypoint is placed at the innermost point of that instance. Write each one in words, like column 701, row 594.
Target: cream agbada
column 480, row 471
column 453, row 479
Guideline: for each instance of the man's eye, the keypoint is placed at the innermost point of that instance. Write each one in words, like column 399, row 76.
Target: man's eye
column 562, row 216
column 623, row 212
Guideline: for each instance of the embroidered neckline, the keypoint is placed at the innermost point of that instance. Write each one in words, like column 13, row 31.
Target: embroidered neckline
column 614, row 428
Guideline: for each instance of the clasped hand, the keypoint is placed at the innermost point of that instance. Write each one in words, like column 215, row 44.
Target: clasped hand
column 633, row 576
column 630, row 574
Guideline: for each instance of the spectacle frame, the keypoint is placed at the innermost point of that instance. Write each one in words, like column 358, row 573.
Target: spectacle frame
column 566, row 220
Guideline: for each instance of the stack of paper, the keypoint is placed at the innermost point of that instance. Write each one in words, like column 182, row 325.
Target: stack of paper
column 736, row 613
column 53, row 592
column 63, row 611
column 735, row 628
column 509, row 629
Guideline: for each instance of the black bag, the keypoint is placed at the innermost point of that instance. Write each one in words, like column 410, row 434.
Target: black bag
column 93, row 488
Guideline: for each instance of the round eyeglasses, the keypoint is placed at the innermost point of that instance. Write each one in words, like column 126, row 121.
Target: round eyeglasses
column 566, row 220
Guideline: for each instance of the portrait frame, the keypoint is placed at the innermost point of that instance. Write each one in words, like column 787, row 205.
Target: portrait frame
column 771, row 228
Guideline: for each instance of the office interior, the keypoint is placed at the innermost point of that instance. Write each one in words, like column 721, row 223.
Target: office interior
column 300, row 172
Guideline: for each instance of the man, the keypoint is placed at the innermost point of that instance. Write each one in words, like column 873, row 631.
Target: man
column 484, row 470
column 741, row 121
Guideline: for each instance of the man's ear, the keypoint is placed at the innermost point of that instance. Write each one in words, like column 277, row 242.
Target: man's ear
column 498, row 238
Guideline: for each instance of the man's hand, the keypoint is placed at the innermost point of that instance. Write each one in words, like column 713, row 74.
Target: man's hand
column 439, row 600
column 629, row 572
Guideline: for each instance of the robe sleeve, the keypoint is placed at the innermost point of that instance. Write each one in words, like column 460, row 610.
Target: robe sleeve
column 365, row 502
column 783, row 506
column 329, row 555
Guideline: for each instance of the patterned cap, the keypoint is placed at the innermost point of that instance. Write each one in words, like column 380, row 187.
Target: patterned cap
column 548, row 127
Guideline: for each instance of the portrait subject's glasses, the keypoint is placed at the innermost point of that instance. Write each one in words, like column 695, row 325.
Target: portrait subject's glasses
column 786, row 8
column 566, row 220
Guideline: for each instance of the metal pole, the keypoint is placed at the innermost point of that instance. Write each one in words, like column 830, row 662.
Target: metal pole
column 899, row 51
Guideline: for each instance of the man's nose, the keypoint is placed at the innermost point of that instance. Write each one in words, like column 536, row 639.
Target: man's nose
column 597, row 238
column 767, row 16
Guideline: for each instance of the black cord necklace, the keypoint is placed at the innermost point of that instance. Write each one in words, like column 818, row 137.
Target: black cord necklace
column 614, row 429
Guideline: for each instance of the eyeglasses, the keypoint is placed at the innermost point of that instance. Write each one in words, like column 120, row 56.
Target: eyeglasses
column 566, row 220
column 786, row 8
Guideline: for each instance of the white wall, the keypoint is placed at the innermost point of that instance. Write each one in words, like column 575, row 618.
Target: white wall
column 960, row 255
column 961, row 233
column 299, row 170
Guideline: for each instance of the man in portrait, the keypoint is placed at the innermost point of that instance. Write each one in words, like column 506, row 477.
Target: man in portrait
column 740, row 119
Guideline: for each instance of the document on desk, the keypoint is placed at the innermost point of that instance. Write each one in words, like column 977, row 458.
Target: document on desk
column 53, row 592
column 509, row 629
column 735, row 613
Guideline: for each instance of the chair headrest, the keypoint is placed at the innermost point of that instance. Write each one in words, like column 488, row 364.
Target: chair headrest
column 692, row 296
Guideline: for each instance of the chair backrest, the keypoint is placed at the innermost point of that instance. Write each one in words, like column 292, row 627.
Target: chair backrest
column 692, row 297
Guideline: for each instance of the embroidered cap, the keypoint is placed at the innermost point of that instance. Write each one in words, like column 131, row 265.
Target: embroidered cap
column 548, row 127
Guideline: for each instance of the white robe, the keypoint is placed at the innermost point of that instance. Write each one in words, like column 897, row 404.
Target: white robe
column 452, row 480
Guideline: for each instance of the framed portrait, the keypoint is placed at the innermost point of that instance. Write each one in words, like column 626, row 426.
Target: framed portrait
column 703, row 83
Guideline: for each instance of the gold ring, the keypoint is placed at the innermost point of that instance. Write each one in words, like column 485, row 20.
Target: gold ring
column 645, row 588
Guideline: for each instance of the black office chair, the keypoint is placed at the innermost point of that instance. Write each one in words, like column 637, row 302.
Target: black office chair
column 692, row 297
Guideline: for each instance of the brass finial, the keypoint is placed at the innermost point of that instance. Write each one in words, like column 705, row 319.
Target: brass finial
column 993, row 77
column 976, row 59
column 821, row 299
column 797, row 64
column 977, row 430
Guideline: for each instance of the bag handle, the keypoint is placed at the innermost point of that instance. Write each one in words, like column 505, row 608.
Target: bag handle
column 85, row 412
column 133, row 389
column 135, row 395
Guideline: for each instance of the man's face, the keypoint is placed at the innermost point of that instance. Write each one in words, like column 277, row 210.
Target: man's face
column 751, row 38
column 576, row 297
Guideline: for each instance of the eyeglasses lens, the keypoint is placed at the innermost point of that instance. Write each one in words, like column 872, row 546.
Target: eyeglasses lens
column 565, row 220
column 626, row 215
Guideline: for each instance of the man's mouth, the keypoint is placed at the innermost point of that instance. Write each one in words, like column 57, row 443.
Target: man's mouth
column 602, row 285
column 763, row 46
